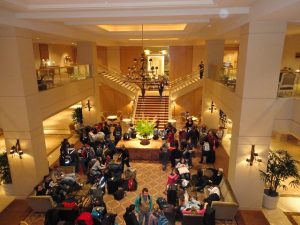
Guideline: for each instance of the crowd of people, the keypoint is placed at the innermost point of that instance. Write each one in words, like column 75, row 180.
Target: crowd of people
column 95, row 159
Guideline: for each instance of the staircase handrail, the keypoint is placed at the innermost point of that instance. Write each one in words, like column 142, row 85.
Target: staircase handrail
column 117, row 74
column 183, row 79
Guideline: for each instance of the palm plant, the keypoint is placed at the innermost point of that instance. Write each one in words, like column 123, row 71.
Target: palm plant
column 145, row 128
column 5, row 176
column 280, row 167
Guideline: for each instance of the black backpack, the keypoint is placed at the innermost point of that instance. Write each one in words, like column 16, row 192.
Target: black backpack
column 125, row 136
column 119, row 194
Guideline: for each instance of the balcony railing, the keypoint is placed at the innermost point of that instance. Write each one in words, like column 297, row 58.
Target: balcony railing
column 227, row 77
column 289, row 83
column 54, row 76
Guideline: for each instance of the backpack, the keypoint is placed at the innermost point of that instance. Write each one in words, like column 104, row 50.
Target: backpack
column 162, row 220
column 126, row 136
column 132, row 184
column 98, row 212
column 119, row 194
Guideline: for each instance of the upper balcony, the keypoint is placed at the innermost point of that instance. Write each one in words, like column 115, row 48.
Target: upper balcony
column 289, row 83
column 54, row 76
column 225, row 75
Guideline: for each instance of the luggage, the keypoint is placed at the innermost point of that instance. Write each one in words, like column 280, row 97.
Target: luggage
column 133, row 134
column 126, row 136
column 86, row 217
column 130, row 173
column 132, row 184
column 172, row 196
column 209, row 216
column 98, row 212
column 109, row 219
column 95, row 191
column 119, row 194
column 112, row 186
column 161, row 202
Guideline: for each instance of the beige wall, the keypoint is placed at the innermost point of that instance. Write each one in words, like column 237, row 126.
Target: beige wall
column 190, row 102
column 101, row 55
column 127, row 54
column 37, row 57
column 198, row 56
column 112, row 101
column 57, row 53
column 181, row 61
column 291, row 46
column 113, row 57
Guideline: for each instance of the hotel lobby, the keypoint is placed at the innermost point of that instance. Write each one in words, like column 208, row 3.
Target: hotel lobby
column 109, row 59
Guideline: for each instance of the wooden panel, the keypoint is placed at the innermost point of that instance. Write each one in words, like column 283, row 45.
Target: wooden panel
column 191, row 102
column 127, row 54
column 113, row 101
column 181, row 61
column 44, row 51
column 102, row 55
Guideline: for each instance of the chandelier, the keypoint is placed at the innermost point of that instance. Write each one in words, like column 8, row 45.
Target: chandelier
column 143, row 73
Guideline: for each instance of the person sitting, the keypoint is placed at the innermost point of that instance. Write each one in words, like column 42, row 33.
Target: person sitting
column 98, row 167
column 40, row 190
column 214, row 194
column 215, row 179
column 131, row 131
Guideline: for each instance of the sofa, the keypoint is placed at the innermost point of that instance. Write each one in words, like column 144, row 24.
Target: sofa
column 228, row 206
column 44, row 202
column 40, row 203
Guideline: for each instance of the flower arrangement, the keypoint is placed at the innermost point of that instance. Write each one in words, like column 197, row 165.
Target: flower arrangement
column 280, row 167
column 145, row 128
column 5, row 176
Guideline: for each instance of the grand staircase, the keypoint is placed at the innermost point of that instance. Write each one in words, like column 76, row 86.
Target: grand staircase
column 153, row 107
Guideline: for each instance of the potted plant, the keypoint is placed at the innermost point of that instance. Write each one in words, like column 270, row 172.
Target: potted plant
column 77, row 117
column 145, row 129
column 280, row 167
column 5, row 176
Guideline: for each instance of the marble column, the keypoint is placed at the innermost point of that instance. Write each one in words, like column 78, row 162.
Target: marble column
column 261, row 47
column 20, row 113
column 214, row 53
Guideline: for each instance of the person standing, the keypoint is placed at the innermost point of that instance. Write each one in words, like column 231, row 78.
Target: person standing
column 164, row 155
column 161, row 88
column 124, row 157
column 201, row 69
column 117, row 133
column 143, row 206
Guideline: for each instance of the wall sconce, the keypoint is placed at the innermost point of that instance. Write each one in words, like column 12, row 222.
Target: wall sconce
column 253, row 156
column 88, row 105
column 212, row 107
column 16, row 149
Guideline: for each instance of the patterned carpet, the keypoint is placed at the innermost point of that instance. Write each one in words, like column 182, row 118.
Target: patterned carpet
column 150, row 175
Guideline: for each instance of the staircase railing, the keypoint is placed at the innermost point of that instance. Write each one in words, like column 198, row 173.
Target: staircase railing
column 182, row 79
column 116, row 74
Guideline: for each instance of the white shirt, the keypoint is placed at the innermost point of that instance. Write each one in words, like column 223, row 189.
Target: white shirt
column 214, row 190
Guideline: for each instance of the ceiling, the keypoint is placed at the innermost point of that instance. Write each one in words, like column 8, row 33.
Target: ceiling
column 69, row 21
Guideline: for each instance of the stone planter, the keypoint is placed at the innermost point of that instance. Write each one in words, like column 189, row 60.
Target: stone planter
column 270, row 202
column 145, row 142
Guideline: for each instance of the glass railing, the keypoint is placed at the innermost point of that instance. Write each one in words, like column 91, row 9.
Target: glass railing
column 289, row 83
column 54, row 76
column 227, row 77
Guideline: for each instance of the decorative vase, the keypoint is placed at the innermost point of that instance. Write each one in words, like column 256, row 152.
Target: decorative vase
column 145, row 142
column 270, row 202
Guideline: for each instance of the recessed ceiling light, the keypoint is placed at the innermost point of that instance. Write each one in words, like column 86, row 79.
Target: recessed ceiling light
column 153, row 39
column 208, row 25
column 236, row 41
column 146, row 27
column 73, row 43
column 37, row 38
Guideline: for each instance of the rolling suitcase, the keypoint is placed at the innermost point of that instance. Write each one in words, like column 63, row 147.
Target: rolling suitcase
column 209, row 216
column 172, row 195
column 112, row 186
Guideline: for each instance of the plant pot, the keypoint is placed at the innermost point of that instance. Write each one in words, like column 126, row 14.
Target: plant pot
column 145, row 142
column 270, row 202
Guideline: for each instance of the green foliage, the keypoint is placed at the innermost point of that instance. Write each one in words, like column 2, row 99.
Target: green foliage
column 5, row 176
column 145, row 128
column 77, row 115
column 281, row 166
